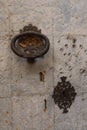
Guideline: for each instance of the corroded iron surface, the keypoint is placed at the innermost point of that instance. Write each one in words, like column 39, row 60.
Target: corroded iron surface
column 31, row 28
column 30, row 43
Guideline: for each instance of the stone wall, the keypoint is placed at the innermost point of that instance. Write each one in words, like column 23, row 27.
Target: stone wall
column 22, row 94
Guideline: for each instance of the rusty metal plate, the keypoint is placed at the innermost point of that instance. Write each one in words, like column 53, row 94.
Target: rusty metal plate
column 30, row 43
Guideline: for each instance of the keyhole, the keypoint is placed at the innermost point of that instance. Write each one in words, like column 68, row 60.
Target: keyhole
column 64, row 93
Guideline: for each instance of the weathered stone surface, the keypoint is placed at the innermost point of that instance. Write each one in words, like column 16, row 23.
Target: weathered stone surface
column 70, row 16
column 70, row 60
column 5, row 68
column 5, row 113
column 4, row 20
column 29, row 113
column 75, row 119
column 25, row 15
column 26, row 77
column 22, row 94
column 32, row 3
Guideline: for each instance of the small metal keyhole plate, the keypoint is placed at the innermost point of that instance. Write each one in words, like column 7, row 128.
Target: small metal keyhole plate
column 64, row 94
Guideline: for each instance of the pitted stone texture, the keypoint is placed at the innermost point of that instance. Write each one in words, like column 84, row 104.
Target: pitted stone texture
column 3, row 4
column 78, row 13
column 40, row 18
column 20, row 80
column 75, row 119
column 32, row 3
column 62, row 17
column 26, row 77
column 5, row 69
column 28, row 113
column 70, row 16
column 6, row 128
column 4, row 19
column 70, row 60
column 5, row 114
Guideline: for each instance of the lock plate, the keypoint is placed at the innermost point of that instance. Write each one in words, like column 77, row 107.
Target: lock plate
column 64, row 94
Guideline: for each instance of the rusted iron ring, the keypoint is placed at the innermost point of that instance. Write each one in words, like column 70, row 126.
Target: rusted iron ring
column 38, row 47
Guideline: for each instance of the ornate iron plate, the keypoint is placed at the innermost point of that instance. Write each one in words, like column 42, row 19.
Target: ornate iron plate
column 64, row 94
column 30, row 43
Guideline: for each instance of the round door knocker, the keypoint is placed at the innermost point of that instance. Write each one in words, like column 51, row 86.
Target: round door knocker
column 30, row 43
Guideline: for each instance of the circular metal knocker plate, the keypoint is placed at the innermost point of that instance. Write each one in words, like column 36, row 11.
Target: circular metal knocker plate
column 30, row 43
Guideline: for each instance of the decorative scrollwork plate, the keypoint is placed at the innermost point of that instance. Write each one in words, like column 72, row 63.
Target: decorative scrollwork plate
column 64, row 94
